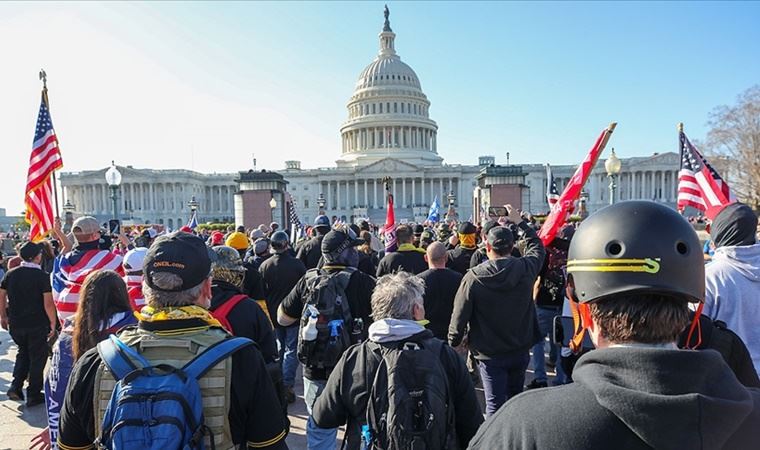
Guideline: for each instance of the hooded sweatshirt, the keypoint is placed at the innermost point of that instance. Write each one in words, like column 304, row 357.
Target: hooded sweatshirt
column 496, row 300
column 733, row 293
column 632, row 398
column 344, row 399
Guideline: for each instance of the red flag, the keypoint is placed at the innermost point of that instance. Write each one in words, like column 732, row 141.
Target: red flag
column 699, row 185
column 45, row 160
column 390, row 225
column 561, row 210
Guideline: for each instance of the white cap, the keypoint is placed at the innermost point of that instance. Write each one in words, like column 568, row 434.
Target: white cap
column 133, row 260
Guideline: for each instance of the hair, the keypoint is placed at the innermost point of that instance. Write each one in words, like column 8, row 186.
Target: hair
column 158, row 298
column 502, row 251
column 103, row 294
column 404, row 234
column 643, row 318
column 366, row 247
column 395, row 295
column 436, row 252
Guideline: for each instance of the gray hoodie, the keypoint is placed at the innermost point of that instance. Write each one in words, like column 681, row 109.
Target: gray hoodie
column 733, row 293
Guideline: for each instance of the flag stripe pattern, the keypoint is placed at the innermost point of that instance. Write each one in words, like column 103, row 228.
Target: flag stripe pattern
column 45, row 159
column 292, row 215
column 552, row 194
column 391, row 243
column 193, row 222
column 70, row 271
column 564, row 206
column 699, row 184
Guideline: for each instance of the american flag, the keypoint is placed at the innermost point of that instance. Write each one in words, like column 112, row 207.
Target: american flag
column 193, row 222
column 552, row 193
column 292, row 215
column 70, row 271
column 699, row 185
column 45, row 159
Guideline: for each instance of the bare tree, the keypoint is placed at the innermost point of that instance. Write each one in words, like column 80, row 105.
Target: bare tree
column 734, row 138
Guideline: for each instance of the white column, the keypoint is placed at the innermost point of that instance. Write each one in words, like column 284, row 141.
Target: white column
column 330, row 203
column 403, row 192
column 432, row 191
column 356, row 192
column 337, row 195
column 393, row 189
column 366, row 196
column 414, row 202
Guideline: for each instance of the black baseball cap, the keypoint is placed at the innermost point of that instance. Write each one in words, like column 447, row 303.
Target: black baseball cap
column 501, row 238
column 466, row 228
column 180, row 253
column 338, row 240
column 488, row 225
column 29, row 250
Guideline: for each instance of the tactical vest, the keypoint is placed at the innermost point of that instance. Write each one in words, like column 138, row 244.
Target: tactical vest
column 176, row 350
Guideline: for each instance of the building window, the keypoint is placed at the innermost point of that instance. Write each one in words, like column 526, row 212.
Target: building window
column 388, row 106
column 395, row 107
column 374, row 111
column 306, row 203
column 402, row 107
column 381, row 108
column 305, row 187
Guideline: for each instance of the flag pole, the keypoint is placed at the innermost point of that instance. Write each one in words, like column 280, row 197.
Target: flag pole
column 43, row 77
column 680, row 151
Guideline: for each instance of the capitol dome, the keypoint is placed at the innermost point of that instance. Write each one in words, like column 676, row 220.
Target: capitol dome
column 388, row 113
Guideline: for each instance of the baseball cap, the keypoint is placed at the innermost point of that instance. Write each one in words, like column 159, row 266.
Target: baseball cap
column 133, row 260
column 29, row 250
column 85, row 225
column 181, row 254
column 501, row 238
column 488, row 225
column 217, row 238
column 186, row 229
column 260, row 246
column 337, row 240
column 150, row 233
column 321, row 221
column 256, row 234
column 466, row 228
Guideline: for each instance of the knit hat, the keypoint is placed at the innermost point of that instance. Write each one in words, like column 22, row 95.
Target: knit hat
column 237, row 240
column 261, row 246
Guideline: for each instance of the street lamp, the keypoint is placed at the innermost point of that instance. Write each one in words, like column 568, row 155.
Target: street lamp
column 613, row 166
column 582, row 205
column 451, row 213
column 321, row 203
column 113, row 178
column 272, row 206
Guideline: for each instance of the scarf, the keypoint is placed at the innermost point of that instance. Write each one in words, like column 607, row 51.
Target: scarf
column 151, row 314
column 468, row 241
column 409, row 248
column 30, row 265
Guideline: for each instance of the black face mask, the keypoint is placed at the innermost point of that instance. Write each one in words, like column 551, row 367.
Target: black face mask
column 735, row 225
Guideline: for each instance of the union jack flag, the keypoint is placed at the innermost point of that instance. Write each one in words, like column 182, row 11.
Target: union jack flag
column 699, row 184
column 70, row 271
column 44, row 161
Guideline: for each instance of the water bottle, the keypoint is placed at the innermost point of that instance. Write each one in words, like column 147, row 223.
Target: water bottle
column 309, row 332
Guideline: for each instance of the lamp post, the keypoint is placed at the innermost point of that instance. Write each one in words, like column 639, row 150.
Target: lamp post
column 452, row 198
column 582, row 209
column 613, row 166
column 321, row 203
column 272, row 206
column 113, row 178
column 68, row 215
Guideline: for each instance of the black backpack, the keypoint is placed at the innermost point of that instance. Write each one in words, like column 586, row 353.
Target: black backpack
column 409, row 407
column 327, row 293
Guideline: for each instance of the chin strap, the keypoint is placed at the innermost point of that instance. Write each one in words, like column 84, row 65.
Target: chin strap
column 695, row 325
column 581, row 316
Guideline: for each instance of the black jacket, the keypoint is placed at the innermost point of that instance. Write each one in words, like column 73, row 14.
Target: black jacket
column 344, row 399
column 310, row 252
column 632, row 398
column 247, row 319
column 368, row 262
column 459, row 259
column 412, row 261
column 496, row 300
column 279, row 275
column 440, row 287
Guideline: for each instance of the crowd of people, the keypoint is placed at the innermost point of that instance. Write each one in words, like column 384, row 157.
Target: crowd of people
column 193, row 339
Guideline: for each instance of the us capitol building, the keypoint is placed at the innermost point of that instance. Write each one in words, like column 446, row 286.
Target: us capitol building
column 388, row 132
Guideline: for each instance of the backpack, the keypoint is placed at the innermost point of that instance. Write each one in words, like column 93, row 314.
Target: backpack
column 327, row 293
column 222, row 312
column 157, row 407
column 409, row 407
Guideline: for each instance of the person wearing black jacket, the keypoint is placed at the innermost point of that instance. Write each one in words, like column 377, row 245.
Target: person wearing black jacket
column 310, row 251
column 407, row 257
column 441, row 284
column 636, row 390
column 396, row 304
column 459, row 258
column 280, row 273
column 479, row 255
column 495, row 299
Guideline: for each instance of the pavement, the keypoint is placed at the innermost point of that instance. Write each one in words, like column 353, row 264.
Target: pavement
column 19, row 424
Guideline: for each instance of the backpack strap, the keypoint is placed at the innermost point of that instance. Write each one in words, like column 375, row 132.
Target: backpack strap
column 210, row 357
column 223, row 311
column 119, row 357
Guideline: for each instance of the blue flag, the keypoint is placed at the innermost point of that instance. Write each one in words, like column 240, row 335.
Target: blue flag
column 434, row 212
column 193, row 222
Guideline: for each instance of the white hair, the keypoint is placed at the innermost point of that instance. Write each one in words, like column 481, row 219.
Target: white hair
column 162, row 299
column 395, row 295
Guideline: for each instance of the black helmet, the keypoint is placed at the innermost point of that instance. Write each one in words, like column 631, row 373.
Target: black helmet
column 636, row 246
column 279, row 240
column 321, row 221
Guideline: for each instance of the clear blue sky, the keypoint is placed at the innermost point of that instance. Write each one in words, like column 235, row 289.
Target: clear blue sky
column 205, row 85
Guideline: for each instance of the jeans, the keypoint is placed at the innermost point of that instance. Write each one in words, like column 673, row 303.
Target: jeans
column 30, row 359
column 545, row 317
column 317, row 438
column 503, row 378
column 287, row 344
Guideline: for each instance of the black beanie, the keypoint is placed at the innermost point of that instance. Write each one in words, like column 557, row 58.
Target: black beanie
column 736, row 224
